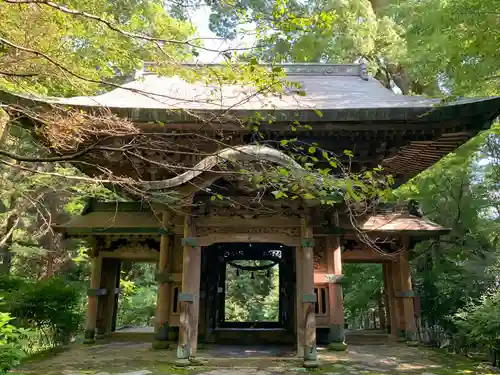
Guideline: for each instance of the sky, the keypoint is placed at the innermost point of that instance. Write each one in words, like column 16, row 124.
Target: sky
column 199, row 18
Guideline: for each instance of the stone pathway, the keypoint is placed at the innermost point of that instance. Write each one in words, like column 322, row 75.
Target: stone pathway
column 132, row 358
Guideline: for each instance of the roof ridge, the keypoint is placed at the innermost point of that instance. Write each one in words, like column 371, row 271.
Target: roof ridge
column 291, row 69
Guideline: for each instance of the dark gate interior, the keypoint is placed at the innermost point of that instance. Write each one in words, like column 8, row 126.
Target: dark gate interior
column 212, row 304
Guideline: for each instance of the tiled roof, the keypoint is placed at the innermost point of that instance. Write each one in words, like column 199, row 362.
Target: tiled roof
column 322, row 92
column 330, row 88
column 400, row 223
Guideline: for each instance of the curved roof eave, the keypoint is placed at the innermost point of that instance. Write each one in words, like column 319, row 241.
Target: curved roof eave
column 341, row 94
column 484, row 108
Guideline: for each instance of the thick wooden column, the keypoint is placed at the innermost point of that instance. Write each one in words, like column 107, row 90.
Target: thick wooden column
column 385, row 272
column 106, row 302
column 116, row 297
column 391, row 297
column 406, row 295
column 298, row 302
column 163, row 296
column 309, row 298
column 93, row 293
column 336, row 335
column 190, row 296
column 398, row 306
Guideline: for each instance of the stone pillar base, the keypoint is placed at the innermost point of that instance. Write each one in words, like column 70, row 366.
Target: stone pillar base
column 182, row 362
column 311, row 364
column 162, row 332
column 337, row 346
column 183, row 352
column 89, row 336
column 188, row 362
column 99, row 334
column 160, row 345
column 310, row 353
column 310, row 357
column 161, row 337
column 336, row 338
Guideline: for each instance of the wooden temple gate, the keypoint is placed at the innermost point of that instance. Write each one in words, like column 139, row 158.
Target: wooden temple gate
column 344, row 109
column 178, row 243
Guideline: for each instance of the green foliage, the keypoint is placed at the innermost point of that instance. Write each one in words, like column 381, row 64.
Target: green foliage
column 479, row 323
column 11, row 343
column 455, row 45
column 252, row 299
column 314, row 31
column 137, row 305
column 362, row 289
column 458, row 268
column 83, row 46
column 50, row 307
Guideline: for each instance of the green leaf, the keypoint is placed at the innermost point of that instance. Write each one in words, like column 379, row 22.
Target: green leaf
column 348, row 153
column 278, row 194
column 283, row 172
column 318, row 113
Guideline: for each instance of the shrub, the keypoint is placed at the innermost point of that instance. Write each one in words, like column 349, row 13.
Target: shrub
column 9, row 284
column 11, row 343
column 50, row 306
column 479, row 324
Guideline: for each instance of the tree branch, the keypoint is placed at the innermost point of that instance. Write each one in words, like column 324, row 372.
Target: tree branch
column 114, row 27
column 25, row 75
column 69, row 157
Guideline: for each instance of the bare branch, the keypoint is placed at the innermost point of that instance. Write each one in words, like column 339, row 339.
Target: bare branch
column 24, row 75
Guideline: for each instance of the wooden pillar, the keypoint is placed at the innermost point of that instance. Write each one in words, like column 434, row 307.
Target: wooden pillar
column 406, row 296
column 117, row 296
column 163, row 296
column 298, row 302
column 106, row 302
column 336, row 335
column 398, row 303
column 309, row 298
column 93, row 293
column 190, row 296
column 391, row 296
column 385, row 271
